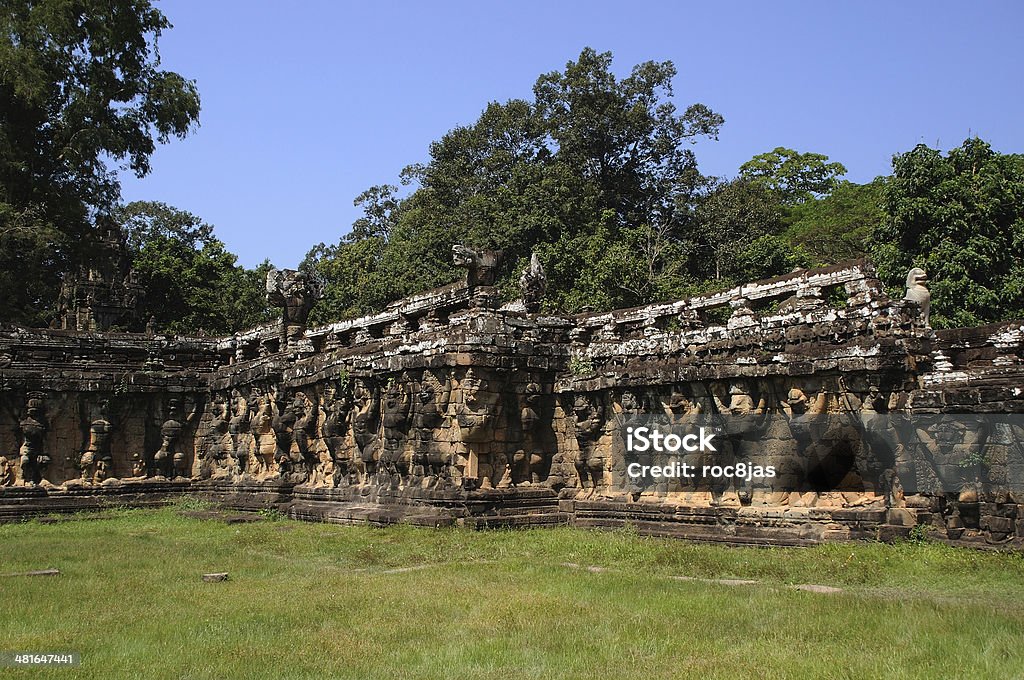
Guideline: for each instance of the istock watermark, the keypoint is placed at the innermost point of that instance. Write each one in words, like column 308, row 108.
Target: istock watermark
column 674, row 440
column 642, row 439
column 847, row 452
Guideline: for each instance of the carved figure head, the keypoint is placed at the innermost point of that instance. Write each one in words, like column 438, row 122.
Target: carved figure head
column 916, row 277
column 797, row 400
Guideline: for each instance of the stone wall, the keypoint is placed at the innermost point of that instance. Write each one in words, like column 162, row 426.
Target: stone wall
column 448, row 408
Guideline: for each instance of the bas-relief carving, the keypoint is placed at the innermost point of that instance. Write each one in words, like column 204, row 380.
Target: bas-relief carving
column 478, row 411
column 292, row 425
column 97, row 461
column 336, row 406
column 588, row 413
column 479, row 427
column 431, row 455
column 431, row 428
column 261, row 423
column 529, row 462
column 33, row 458
column 239, row 432
column 366, row 426
column 397, row 405
column 171, row 459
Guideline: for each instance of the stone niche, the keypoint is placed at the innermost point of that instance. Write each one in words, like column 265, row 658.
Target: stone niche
column 448, row 408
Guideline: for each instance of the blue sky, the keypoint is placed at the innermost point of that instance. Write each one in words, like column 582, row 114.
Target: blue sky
column 307, row 105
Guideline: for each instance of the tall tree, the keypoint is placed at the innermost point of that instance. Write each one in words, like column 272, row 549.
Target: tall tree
column 733, row 233
column 836, row 227
column 192, row 282
column 80, row 85
column 595, row 175
column 795, row 176
column 961, row 218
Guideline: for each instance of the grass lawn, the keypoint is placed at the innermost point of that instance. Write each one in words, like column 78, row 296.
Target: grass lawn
column 322, row 601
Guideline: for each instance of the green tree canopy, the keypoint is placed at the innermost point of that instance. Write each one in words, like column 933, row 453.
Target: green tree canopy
column 795, row 176
column 595, row 175
column 836, row 227
column 961, row 218
column 80, row 86
column 192, row 282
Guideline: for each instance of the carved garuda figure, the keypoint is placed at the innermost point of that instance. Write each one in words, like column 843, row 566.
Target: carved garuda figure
column 218, row 444
column 429, row 409
column 365, row 422
column 170, row 459
column 296, row 292
column 532, row 284
column 589, row 424
column 33, row 433
column 337, row 405
column 482, row 265
column 97, row 460
column 528, row 462
column 238, row 427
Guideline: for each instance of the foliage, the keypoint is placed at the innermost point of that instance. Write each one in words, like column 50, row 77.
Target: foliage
column 191, row 503
column 796, row 177
column 192, row 282
column 919, row 533
column 271, row 514
column 728, row 221
column 836, row 227
column 961, row 218
column 580, row 364
column 80, row 85
column 594, row 175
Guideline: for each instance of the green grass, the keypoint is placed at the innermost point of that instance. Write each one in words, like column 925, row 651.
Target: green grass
column 322, row 601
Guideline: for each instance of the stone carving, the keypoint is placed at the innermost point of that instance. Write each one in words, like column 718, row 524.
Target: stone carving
column 532, row 283
column 481, row 265
column 365, row 425
column 296, row 292
column 105, row 292
column 529, row 462
column 337, row 404
column 589, row 426
column 238, row 429
column 394, row 423
column 429, row 410
column 217, row 445
column 304, row 430
column 33, row 427
column 261, row 424
column 477, row 410
column 295, row 419
column 492, row 415
column 7, row 472
column 170, row 460
column 97, row 460
column 917, row 292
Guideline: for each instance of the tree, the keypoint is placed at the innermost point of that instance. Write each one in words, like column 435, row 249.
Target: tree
column 836, row 227
column 594, row 175
column 192, row 282
column 728, row 220
column 624, row 135
column 795, row 176
column 80, row 85
column 961, row 218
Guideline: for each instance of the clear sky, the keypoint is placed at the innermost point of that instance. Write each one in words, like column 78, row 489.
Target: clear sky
column 306, row 104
